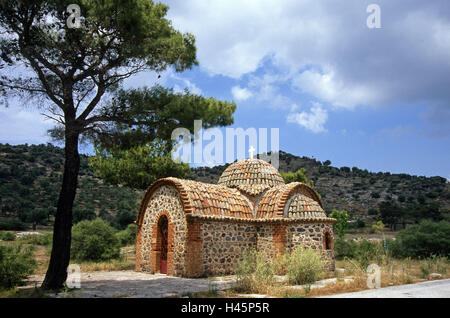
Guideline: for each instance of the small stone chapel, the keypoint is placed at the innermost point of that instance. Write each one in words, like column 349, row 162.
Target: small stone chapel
column 194, row 229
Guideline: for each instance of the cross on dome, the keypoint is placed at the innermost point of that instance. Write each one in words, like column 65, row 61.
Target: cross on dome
column 251, row 151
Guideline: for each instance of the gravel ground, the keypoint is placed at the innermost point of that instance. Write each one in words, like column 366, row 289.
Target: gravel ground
column 137, row 284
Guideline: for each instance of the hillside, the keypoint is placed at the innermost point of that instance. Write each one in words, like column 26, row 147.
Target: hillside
column 355, row 190
column 30, row 180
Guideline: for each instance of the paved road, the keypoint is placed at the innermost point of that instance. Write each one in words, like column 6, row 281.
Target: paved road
column 430, row 289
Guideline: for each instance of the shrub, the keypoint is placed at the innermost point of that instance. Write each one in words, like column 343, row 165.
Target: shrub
column 254, row 272
column 123, row 218
column 79, row 214
column 127, row 236
column 344, row 248
column 394, row 248
column 297, row 176
column 426, row 239
column 341, row 224
column 94, row 241
column 375, row 195
column 7, row 236
column 441, row 264
column 16, row 263
column 360, row 223
column 12, row 225
column 366, row 252
column 41, row 239
column 303, row 266
column 426, row 266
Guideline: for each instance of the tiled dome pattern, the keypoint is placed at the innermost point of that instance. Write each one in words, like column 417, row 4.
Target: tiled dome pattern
column 251, row 176
column 274, row 202
column 300, row 207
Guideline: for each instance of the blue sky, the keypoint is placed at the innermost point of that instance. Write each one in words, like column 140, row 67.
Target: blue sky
column 378, row 99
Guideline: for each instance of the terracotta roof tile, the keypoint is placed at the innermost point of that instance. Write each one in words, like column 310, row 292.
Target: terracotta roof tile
column 279, row 201
column 252, row 176
column 293, row 200
column 213, row 199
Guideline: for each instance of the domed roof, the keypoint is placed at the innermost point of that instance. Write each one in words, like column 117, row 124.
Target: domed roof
column 294, row 200
column 252, row 176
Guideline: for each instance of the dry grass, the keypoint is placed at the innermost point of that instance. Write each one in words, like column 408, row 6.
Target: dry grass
column 33, row 292
column 393, row 272
column 127, row 261
column 397, row 272
column 112, row 265
column 42, row 257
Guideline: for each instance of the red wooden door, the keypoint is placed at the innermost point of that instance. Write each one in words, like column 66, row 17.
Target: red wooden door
column 163, row 232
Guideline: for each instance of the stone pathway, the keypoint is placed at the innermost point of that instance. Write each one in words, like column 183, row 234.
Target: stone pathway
column 137, row 284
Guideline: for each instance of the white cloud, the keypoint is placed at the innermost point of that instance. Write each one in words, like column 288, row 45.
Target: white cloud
column 294, row 107
column 148, row 78
column 313, row 121
column 327, row 87
column 194, row 89
column 18, row 126
column 266, row 90
column 241, row 94
column 407, row 60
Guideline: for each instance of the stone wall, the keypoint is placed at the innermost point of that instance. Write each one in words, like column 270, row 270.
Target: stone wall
column 265, row 237
column 205, row 247
column 223, row 243
column 311, row 235
column 215, row 246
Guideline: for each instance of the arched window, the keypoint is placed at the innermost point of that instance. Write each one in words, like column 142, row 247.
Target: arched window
column 327, row 241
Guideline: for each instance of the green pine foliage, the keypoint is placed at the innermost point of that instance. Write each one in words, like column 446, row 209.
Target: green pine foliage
column 137, row 167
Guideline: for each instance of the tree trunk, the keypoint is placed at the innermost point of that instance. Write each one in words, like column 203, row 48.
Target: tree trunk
column 62, row 231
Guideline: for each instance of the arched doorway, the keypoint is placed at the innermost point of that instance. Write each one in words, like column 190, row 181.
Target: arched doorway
column 163, row 243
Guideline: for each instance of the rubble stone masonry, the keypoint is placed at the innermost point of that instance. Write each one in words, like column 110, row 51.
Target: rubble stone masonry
column 209, row 226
